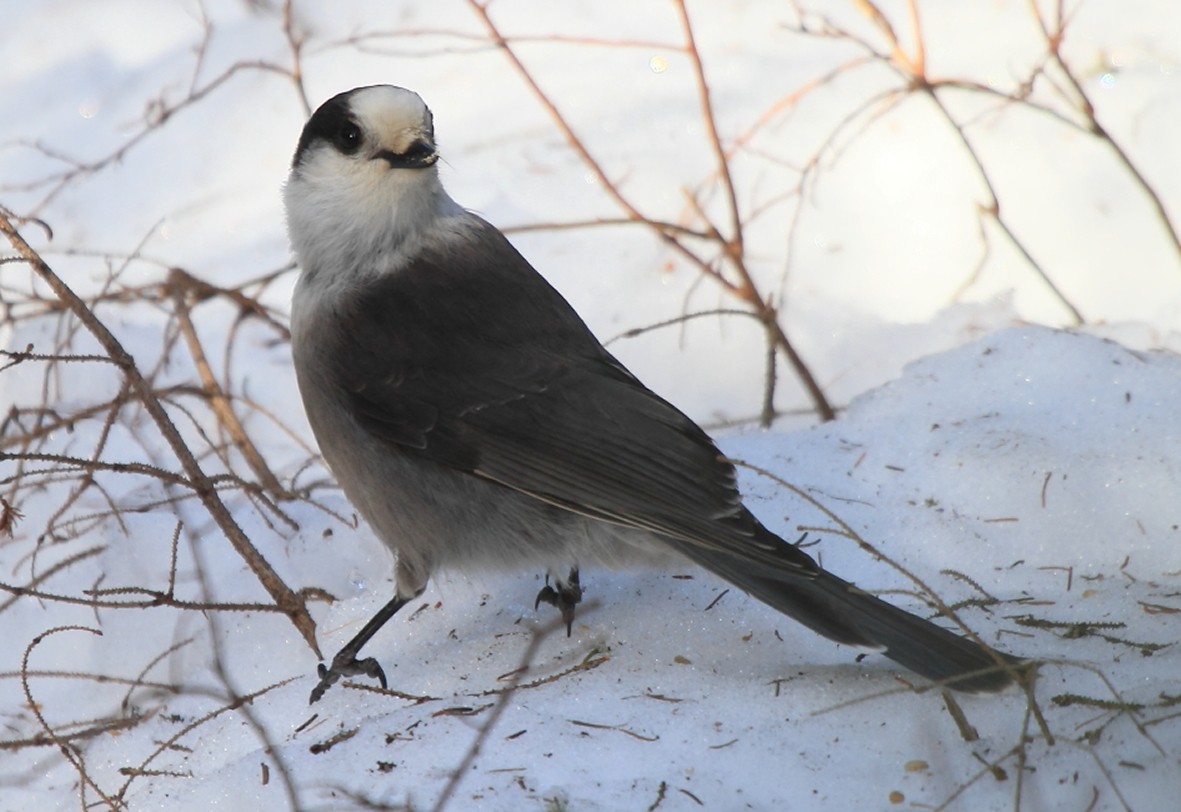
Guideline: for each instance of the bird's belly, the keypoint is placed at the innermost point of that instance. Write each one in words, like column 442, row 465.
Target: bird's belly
column 435, row 517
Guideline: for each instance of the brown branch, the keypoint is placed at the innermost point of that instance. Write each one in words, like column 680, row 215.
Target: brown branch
column 993, row 208
column 732, row 247
column 162, row 747
column 1054, row 39
column 70, row 754
column 912, row 71
column 153, row 598
column 288, row 601
column 295, row 43
column 179, row 283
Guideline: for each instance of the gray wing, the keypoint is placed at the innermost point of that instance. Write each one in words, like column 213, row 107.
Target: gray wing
column 470, row 359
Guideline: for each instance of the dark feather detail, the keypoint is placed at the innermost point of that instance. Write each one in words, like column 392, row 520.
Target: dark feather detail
column 470, row 359
column 466, row 357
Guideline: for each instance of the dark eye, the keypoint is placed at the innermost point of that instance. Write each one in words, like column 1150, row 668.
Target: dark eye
column 347, row 137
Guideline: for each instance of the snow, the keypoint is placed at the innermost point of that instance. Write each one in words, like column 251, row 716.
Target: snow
column 1025, row 469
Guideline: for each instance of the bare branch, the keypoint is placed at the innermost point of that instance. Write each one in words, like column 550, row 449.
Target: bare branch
column 288, row 601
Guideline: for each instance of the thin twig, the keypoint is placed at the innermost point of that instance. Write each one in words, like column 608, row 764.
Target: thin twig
column 288, row 601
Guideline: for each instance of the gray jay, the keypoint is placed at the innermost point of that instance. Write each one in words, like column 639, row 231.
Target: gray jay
column 475, row 422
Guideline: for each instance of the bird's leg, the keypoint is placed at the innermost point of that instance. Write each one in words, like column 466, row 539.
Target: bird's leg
column 346, row 664
column 566, row 596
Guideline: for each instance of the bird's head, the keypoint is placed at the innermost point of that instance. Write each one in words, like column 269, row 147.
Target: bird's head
column 363, row 179
column 382, row 123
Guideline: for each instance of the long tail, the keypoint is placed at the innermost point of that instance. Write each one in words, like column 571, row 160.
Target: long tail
column 839, row 611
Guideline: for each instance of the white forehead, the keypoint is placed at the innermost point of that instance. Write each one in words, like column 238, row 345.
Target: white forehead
column 388, row 109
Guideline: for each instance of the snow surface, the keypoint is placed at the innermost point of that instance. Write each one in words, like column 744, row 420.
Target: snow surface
column 1033, row 472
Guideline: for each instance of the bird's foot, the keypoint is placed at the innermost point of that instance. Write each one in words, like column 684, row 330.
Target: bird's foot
column 565, row 597
column 345, row 664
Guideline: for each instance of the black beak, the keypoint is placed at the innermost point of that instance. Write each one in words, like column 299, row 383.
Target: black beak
column 418, row 155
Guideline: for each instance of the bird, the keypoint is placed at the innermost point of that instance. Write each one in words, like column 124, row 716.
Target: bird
column 477, row 424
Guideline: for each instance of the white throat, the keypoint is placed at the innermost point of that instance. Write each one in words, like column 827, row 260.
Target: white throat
column 352, row 219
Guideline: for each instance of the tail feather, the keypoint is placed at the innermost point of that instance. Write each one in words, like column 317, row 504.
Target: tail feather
column 839, row 611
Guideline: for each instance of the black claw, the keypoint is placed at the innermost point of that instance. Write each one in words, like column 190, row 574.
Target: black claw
column 547, row 595
column 371, row 668
column 345, row 664
column 326, row 679
column 565, row 598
